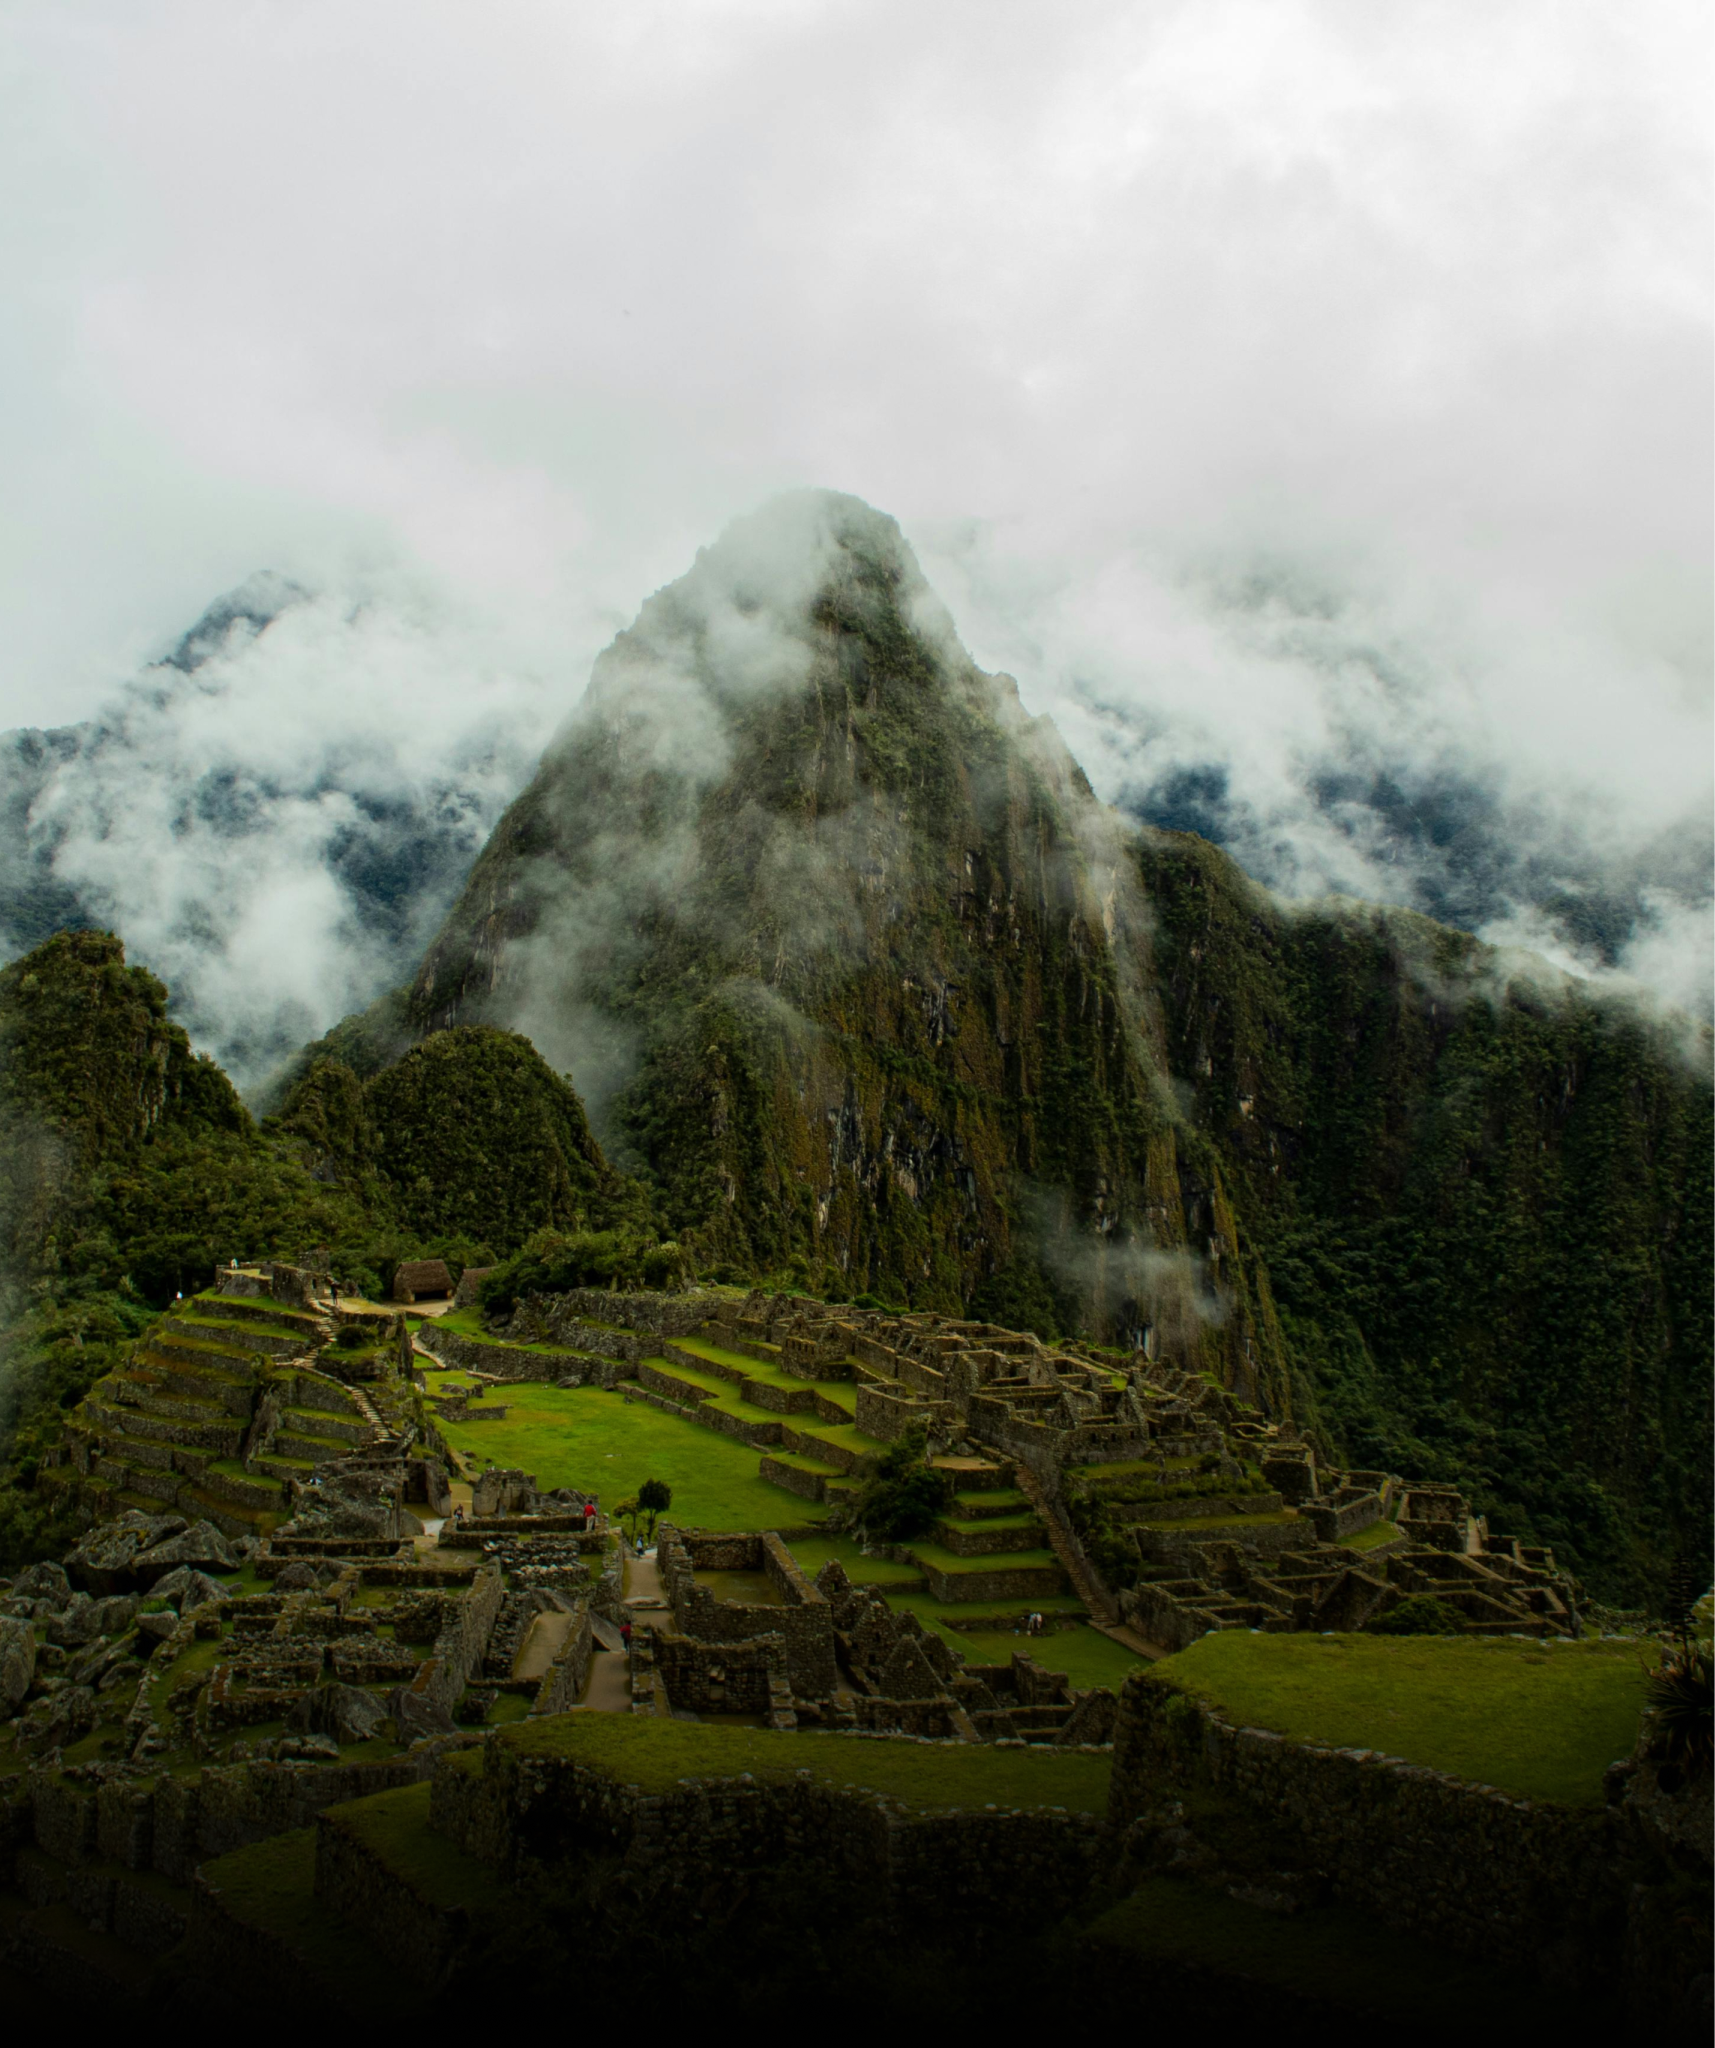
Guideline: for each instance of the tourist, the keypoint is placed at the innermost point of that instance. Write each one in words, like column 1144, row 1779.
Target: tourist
column 1033, row 1627
column 625, row 1636
column 589, row 1514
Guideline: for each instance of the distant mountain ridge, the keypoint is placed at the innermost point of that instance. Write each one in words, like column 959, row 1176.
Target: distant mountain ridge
column 261, row 857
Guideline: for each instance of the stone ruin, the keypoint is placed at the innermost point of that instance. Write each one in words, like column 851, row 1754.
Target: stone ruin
column 1219, row 1516
column 834, row 1655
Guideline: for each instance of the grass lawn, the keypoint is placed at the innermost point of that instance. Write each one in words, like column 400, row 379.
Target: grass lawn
column 271, row 1885
column 1084, row 1654
column 812, row 1552
column 395, row 1827
column 1330, row 1953
column 1000, row 1561
column 1367, row 1539
column 1538, row 1720
column 654, row 1754
column 604, row 1444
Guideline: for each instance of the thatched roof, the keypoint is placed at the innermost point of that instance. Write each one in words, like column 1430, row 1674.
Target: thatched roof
column 417, row 1277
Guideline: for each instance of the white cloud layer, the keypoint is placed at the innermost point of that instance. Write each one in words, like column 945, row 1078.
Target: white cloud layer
column 1298, row 398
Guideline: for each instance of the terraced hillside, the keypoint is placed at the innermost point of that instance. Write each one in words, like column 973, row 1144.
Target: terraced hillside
column 220, row 1406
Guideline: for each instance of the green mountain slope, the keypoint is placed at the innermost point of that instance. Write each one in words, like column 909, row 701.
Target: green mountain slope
column 840, row 940
column 129, row 1168
column 860, row 976
column 1483, row 1203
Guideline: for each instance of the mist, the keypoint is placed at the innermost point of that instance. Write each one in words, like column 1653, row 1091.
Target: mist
column 1307, row 403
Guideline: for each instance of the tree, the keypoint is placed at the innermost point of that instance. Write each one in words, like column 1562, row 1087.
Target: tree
column 627, row 1511
column 654, row 1497
column 905, row 1495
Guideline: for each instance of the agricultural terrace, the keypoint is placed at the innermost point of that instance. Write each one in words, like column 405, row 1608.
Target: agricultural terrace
column 1540, row 1719
column 608, row 1443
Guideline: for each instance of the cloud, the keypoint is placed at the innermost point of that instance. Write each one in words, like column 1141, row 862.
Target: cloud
column 1306, row 401
column 275, row 817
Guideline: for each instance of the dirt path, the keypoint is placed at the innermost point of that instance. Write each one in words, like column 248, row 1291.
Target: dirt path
column 643, row 1582
column 609, row 1689
column 541, row 1644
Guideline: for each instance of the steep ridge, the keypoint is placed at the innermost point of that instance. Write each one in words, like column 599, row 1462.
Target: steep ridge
column 843, row 950
column 850, row 963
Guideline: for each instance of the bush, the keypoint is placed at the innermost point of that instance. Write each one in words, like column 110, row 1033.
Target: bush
column 553, row 1262
column 905, row 1495
column 1420, row 1614
column 1678, row 1694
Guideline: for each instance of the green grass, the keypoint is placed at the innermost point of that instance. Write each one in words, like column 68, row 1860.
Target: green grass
column 655, row 1754
column 1367, row 1539
column 1332, row 1954
column 723, row 1394
column 395, row 1827
column 1001, row 1561
column 603, row 1444
column 991, row 1522
column 812, row 1552
column 995, row 1497
column 271, row 1885
column 846, row 1434
column 1084, row 1654
column 1541, row 1721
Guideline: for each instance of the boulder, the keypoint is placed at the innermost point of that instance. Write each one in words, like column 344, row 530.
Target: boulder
column 300, row 1576
column 345, row 1712
column 74, row 1624
column 17, row 1663
column 85, row 1619
column 415, row 1715
column 155, row 1628
column 104, row 1560
column 43, row 1582
column 201, row 1547
column 187, row 1589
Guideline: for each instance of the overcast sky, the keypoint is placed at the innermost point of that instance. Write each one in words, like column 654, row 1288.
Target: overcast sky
column 1270, row 385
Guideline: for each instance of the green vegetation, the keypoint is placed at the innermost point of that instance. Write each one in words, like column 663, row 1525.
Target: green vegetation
column 554, row 1261
column 654, row 1754
column 394, row 1826
column 1084, row 1654
column 1420, row 1614
column 271, row 1886
column 608, row 1444
column 1678, row 1697
column 904, row 1495
column 812, row 1552
column 1539, row 1720
column 1331, row 1954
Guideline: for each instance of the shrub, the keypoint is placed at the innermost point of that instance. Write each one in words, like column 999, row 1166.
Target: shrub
column 1678, row 1695
column 905, row 1495
column 1420, row 1614
column 555, row 1261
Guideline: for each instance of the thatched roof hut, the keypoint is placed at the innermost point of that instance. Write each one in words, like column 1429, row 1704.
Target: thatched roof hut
column 422, row 1280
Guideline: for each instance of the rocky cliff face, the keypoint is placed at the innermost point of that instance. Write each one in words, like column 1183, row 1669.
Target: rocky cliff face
column 843, row 950
column 850, row 963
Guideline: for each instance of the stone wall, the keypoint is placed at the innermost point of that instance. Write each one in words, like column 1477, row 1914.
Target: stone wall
column 1007, row 1869
column 1030, row 1582
column 1511, row 1879
column 171, row 1824
column 510, row 1361
column 725, row 1677
column 564, row 1681
column 460, row 1646
column 804, row 1620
